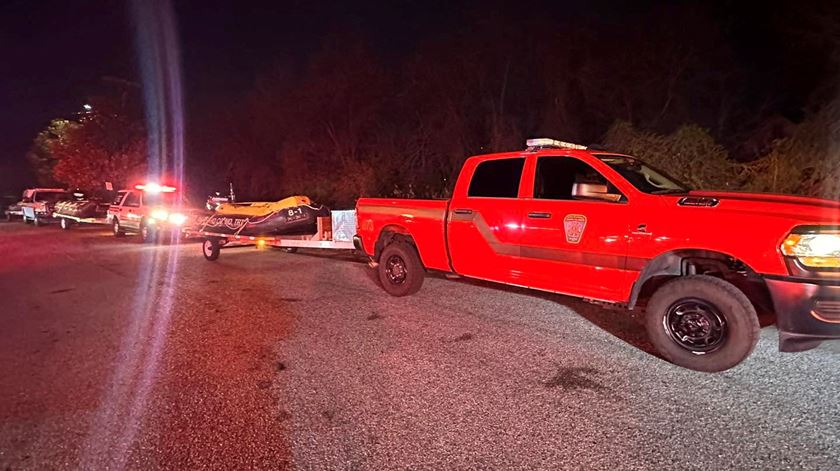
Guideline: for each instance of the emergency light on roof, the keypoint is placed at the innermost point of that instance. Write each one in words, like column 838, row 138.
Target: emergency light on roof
column 544, row 142
column 155, row 188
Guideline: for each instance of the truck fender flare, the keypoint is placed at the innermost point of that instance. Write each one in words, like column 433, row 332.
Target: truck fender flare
column 387, row 234
column 670, row 264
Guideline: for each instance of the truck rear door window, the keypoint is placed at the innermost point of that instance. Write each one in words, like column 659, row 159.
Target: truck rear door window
column 497, row 178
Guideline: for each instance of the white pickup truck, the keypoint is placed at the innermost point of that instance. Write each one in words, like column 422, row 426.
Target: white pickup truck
column 37, row 204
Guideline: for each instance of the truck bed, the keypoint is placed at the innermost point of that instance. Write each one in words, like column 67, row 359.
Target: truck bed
column 426, row 219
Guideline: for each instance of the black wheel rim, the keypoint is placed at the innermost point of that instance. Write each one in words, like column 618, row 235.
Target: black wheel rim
column 395, row 269
column 696, row 325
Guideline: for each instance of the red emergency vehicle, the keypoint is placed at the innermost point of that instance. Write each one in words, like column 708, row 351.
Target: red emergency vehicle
column 607, row 227
column 149, row 210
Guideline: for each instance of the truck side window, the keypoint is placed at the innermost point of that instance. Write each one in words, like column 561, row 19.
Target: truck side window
column 567, row 178
column 497, row 178
column 118, row 199
column 132, row 200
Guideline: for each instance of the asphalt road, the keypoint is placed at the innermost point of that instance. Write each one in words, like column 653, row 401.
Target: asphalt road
column 118, row 355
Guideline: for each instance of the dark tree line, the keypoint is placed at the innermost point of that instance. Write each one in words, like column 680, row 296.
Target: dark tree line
column 666, row 84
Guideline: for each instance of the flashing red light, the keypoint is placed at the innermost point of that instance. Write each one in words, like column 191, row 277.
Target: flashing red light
column 155, row 188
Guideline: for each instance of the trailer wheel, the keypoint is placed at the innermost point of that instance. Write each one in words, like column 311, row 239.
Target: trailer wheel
column 115, row 227
column 702, row 323
column 8, row 217
column 400, row 269
column 37, row 221
column 210, row 248
column 289, row 249
column 65, row 223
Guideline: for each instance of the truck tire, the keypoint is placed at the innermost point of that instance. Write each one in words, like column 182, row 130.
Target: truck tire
column 400, row 270
column 37, row 221
column 702, row 323
column 211, row 248
column 117, row 230
column 147, row 233
column 65, row 224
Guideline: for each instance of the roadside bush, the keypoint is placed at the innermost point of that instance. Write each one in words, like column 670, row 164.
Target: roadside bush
column 806, row 163
column 689, row 154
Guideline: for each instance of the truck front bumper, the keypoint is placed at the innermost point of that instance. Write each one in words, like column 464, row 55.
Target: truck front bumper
column 807, row 311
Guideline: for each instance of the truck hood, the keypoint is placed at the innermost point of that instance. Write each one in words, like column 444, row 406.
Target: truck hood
column 799, row 208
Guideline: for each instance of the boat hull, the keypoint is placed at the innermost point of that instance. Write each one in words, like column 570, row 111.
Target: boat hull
column 81, row 208
column 294, row 220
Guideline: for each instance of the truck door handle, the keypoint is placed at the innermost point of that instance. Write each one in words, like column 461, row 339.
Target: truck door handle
column 463, row 211
column 538, row 215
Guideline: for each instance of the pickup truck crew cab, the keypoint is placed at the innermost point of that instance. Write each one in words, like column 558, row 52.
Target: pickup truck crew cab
column 148, row 210
column 607, row 227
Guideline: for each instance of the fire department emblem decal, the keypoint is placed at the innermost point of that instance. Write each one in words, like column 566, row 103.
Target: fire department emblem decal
column 574, row 224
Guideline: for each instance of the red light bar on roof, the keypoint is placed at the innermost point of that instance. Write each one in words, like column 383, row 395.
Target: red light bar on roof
column 155, row 188
column 544, row 142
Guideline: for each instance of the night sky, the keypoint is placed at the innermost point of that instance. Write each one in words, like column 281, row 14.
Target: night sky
column 55, row 53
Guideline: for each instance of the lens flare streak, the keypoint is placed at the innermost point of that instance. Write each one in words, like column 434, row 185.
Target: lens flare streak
column 125, row 404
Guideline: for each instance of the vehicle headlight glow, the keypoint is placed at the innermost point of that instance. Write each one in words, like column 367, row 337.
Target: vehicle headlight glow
column 177, row 219
column 814, row 250
column 160, row 214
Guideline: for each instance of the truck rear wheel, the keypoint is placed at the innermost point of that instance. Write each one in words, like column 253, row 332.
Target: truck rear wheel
column 65, row 223
column 400, row 269
column 702, row 323
column 211, row 248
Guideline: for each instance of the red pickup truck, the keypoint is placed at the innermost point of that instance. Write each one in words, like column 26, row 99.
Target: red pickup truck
column 608, row 227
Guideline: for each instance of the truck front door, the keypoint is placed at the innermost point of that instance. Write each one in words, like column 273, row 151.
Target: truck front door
column 575, row 231
column 484, row 218
column 130, row 214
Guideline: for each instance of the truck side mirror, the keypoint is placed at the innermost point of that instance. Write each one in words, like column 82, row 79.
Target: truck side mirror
column 597, row 191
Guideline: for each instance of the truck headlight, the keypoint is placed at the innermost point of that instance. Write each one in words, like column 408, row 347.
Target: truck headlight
column 177, row 219
column 159, row 214
column 817, row 249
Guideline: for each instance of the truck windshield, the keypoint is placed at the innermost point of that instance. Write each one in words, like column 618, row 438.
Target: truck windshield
column 644, row 177
column 161, row 199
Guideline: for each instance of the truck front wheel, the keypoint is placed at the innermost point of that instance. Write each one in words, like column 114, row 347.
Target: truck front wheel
column 116, row 229
column 400, row 270
column 702, row 323
column 147, row 233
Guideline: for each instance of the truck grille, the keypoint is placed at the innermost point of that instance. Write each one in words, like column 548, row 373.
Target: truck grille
column 826, row 310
